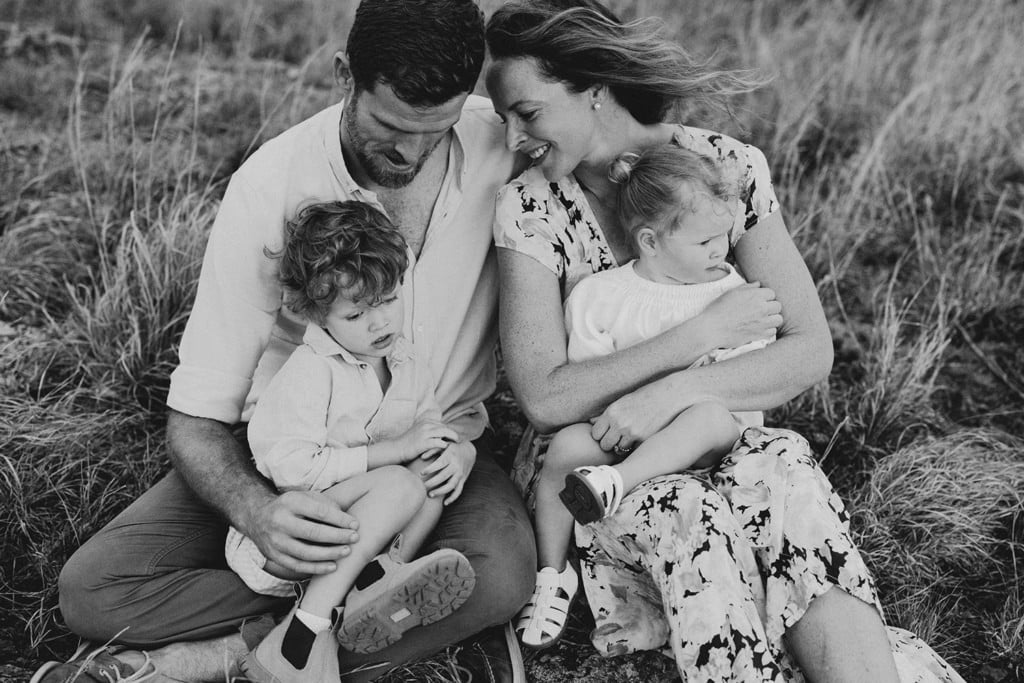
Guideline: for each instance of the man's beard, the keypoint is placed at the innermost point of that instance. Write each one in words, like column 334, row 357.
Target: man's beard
column 372, row 164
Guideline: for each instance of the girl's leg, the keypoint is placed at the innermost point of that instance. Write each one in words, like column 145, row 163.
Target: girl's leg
column 698, row 437
column 819, row 594
column 570, row 448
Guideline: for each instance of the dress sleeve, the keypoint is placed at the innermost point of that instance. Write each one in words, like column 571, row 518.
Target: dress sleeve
column 589, row 337
column 525, row 222
column 288, row 430
column 758, row 196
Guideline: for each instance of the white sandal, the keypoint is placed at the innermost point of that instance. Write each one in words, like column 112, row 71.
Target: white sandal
column 592, row 493
column 542, row 621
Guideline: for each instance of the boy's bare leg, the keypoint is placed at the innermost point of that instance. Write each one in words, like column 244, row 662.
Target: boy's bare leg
column 384, row 500
column 570, row 448
column 419, row 528
column 698, row 437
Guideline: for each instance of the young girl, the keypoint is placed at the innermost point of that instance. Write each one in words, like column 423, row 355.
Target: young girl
column 678, row 212
column 352, row 413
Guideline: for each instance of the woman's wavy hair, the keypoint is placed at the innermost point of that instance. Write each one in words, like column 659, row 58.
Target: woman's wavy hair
column 582, row 43
column 335, row 246
column 428, row 51
column 661, row 182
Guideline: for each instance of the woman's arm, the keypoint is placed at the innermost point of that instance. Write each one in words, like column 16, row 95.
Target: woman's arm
column 553, row 392
column 800, row 358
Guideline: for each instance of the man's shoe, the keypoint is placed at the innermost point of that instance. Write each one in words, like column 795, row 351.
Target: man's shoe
column 494, row 656
column 397, row 596
column 97, row 665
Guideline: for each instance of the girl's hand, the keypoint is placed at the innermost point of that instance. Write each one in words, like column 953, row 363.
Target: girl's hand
column 631, row 419
column 741, row 315
column 446, row 475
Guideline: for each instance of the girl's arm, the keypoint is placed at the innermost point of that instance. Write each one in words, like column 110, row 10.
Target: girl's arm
column 800, row 358
column 553, row 392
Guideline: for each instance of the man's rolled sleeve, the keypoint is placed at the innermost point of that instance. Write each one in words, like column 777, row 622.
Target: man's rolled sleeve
column 237, row 301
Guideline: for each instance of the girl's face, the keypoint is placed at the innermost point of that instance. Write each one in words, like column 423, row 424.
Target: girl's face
column 366, row 330
column 693, row 249
column 543, row 119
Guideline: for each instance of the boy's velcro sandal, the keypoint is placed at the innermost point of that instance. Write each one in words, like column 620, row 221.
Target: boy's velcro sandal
column 542, row 621
column 392, row 596
column 98, row 665
column 592, row 493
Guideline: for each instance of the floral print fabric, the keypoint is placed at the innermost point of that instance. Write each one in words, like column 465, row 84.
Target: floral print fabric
column 712, row 566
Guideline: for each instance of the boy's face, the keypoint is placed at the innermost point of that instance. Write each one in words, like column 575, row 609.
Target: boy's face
column 366, row 330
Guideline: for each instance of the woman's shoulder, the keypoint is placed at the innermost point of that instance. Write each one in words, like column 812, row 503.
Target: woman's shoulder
column 711, row 143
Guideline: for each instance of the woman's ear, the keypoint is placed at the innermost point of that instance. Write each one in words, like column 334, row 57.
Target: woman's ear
column 598, row 95
column 342, row 72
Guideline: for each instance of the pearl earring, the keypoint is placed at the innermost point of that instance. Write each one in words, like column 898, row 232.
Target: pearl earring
column 596, row 106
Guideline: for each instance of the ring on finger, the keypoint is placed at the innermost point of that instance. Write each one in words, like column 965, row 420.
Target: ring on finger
column 620, row 450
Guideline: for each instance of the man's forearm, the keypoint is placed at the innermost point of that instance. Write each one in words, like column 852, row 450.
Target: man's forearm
column 216, row 467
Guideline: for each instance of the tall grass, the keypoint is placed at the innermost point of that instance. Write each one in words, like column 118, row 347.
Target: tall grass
column 894, row 131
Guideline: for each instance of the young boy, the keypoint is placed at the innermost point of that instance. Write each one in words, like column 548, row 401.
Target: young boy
column 352, row 413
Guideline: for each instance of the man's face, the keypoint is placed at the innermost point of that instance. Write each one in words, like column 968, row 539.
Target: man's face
column 389, row 139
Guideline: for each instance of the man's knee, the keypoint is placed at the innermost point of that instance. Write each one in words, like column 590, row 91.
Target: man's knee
column 505, row 567
column 81, row 588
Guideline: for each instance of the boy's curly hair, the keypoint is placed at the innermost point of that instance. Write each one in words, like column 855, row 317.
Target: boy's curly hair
column 334, row 246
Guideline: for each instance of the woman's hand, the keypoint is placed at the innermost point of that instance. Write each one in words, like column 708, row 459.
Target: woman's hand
column 741, row 315
column 631, row 419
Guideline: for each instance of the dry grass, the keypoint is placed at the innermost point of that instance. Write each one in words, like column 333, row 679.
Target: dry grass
column 894, row 130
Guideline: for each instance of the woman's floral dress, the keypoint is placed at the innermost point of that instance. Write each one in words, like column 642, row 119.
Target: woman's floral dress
column 709, row 567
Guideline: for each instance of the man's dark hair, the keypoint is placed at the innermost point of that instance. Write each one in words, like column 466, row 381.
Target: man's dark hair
column 428, row 51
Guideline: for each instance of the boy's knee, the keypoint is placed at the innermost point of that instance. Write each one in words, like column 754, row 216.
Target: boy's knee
column 405, row 486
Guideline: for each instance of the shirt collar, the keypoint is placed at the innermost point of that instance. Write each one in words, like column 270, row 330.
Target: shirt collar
column 323, row 344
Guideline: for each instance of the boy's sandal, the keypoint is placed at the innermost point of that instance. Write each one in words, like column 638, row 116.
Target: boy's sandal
column 592, row 493
column 542, row 621
column 96, row 665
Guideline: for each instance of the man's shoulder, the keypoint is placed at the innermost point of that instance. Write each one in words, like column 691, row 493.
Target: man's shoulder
column 295, row 142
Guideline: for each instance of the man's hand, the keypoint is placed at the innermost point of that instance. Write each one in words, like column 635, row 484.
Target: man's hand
column 446, row 475
column 302, row 531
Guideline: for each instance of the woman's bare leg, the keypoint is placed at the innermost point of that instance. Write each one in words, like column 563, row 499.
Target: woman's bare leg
column 841, row 639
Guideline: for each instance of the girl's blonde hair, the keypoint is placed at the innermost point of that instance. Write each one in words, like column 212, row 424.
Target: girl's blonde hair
column 660, row 182
column 581, row 43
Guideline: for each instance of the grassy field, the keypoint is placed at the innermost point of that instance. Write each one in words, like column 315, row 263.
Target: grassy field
column 895, row 131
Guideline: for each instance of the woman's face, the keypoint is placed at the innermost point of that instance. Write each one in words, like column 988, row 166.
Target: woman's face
column 543, row 119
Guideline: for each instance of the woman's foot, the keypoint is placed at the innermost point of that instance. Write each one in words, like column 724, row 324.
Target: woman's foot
column 592, row 493
column 400, row 595
column 542, row 621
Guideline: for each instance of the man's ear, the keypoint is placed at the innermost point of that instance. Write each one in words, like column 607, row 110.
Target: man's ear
column 342, row 72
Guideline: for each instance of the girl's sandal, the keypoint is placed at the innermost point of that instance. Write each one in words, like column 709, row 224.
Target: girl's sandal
column 542, row 621
column 592, row 493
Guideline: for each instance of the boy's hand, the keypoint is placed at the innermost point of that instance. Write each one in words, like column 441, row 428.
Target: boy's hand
column 425, row 437
column 446, row 475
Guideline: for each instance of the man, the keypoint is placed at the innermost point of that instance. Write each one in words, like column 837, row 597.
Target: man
column 412, row 141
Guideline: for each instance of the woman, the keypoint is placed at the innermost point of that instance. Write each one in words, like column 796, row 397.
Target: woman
column 747, row 573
